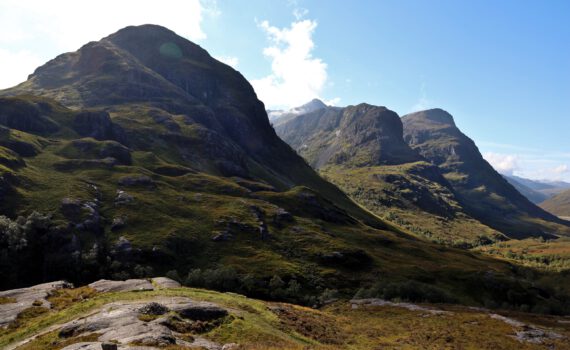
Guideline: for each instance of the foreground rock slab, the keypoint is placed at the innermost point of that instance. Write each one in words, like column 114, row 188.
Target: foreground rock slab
column 24, row 298
column 121, row 286
column 128, row 323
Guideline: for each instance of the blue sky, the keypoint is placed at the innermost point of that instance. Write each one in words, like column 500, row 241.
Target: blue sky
column 502, row 68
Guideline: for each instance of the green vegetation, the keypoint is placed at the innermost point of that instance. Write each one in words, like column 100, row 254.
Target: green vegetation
column 255, row 324
column 407, row 196
column 485, row 194
column 549, row 255
column 558, row 205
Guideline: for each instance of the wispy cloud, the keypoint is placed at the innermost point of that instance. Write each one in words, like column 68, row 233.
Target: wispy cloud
column 503, row 163
column 423, row 101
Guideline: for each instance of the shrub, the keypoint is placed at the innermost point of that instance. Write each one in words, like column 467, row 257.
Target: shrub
column 411, row 290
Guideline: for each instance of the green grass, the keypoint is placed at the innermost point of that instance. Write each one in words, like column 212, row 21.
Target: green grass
column 254, row 325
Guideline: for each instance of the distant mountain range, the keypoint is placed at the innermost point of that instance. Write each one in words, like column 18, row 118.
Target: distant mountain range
column 419, row 171
column 537, row 190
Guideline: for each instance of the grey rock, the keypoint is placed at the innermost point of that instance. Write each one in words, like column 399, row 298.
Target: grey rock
column 123, row 245
column 98, row 125
column 119, row 322
column 121, row 286
column 123, row 197
column 222, row 236
column 25, row 298
column 118, row 223
column 282, row 216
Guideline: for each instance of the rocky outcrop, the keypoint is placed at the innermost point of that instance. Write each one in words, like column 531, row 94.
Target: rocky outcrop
column 121, row 286
column 27, row 116
column 98, row 125
column 147, row 324
column 24, row 298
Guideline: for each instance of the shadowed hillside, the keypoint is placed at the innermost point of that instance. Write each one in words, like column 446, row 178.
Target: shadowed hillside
column 485, row 194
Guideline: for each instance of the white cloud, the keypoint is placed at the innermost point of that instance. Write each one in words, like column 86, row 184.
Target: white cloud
column 16, row 66
column 56, row 26
column 504, row 163
column 299, row 13
column 229, row 60
column 332, row 102
column 561, row 169
column 296, row 76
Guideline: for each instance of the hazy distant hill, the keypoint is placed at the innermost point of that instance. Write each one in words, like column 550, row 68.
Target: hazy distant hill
column 544, row 187
column 558, row 205
column 534, row 195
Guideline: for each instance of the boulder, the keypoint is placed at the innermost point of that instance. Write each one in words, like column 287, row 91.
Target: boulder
column 118, row 223
column 123, row 197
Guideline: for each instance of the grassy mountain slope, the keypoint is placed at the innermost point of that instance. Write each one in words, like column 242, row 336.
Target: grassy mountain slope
column 485, row 194
column 361, row 149
column 140, row 154
column 558, row 205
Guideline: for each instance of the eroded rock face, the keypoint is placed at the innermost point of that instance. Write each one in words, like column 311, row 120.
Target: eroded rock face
column 121, row 323
column 98, row 125
column 26, row 116
column 27, row 297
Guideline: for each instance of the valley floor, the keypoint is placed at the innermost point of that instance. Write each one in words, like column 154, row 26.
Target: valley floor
column 123, row 314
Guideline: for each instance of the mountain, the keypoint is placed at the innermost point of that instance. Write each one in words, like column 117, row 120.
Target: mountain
column 543, row 187
column 280, row 116
column 361, row 149
column 140, row 155
column 485, row 194
column 558, row 205
column 532, row 195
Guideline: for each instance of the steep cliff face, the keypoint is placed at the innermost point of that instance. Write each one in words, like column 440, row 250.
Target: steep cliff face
column 361, row 135
column 486, row 195
column 362, row 150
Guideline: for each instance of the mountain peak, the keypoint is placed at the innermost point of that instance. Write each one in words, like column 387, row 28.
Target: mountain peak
column 311, row 106
column 434, row 115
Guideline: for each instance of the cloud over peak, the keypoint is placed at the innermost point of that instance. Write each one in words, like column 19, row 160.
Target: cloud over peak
column 296, row 76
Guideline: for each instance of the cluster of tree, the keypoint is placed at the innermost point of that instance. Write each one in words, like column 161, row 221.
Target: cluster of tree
column 226, row 279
